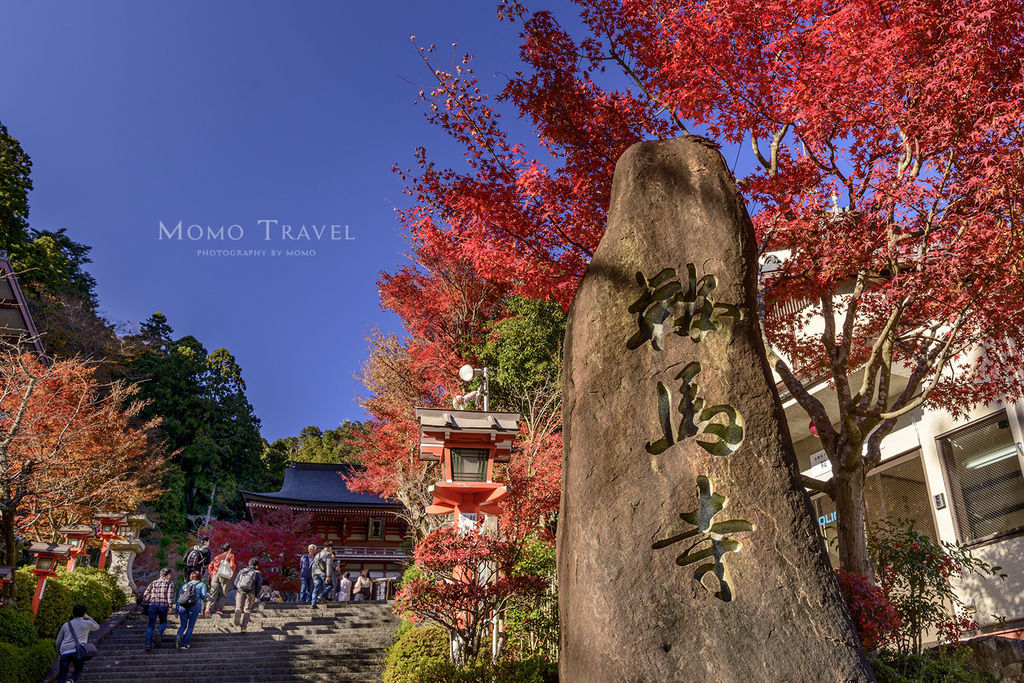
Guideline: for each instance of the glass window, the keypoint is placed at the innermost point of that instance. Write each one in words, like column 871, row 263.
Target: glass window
column 985, row 483
column 890, row 490
column 469, row 464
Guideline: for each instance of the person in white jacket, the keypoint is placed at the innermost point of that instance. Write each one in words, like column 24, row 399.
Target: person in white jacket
column 79, row 627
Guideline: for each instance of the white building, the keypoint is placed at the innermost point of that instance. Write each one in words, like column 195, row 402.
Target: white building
column 959, row 480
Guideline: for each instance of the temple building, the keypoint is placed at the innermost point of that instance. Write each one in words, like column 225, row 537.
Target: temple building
column 367, row 530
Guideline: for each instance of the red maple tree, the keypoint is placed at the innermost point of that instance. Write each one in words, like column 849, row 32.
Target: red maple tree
column 277, row 538
column 69, row 445
column 884, row 167
column 466, row 579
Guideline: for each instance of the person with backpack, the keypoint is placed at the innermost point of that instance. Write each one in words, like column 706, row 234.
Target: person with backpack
column 190, row 603
column 323, row 572
column 248, row 585
column 306, row 574
column 222, row 571
column 72, row 642
column 158, row 598
column 198, row 557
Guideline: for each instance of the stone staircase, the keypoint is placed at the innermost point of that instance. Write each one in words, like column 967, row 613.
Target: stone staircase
column 284, row 642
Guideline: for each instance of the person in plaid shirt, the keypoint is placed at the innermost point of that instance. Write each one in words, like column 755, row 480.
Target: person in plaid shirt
column 159, row 596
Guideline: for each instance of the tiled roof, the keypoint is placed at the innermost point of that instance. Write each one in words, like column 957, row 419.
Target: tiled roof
column 319, row 483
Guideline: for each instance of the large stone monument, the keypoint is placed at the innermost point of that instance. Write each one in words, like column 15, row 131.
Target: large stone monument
column 686, row 546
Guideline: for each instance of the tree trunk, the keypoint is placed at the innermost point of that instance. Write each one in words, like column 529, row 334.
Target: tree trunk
column 10, row 556
column 851, row 521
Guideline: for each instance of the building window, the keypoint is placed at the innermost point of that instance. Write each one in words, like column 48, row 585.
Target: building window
column 894, row 489
column 985, row 483
column 469, row 464
column 376, row 530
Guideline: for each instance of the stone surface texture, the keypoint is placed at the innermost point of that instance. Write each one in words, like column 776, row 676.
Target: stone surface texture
column 628, row 611
column 1003, row 657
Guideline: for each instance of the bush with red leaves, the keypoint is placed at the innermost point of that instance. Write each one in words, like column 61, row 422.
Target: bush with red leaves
column 874, row 615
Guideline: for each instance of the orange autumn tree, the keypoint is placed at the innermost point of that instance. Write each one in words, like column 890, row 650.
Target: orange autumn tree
column 68, row 446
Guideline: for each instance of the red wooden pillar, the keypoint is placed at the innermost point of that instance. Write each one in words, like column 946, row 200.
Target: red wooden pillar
column 48, row 556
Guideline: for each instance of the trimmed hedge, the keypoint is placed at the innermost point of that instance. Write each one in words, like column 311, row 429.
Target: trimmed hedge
column 86, row 590
column 54, row 609
column 95, row 589
column 108, row 582
column 26, row 664
column 531, row 670
column 16, row 628
column 414, row 653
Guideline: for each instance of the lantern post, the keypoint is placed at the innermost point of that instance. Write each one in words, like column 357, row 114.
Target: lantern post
column 108, row 525
column 77, row 536
column 48, row 557
column 467, row 444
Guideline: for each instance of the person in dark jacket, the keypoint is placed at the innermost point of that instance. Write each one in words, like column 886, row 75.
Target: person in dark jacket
column 248, row 585
column 306, row 574
column 198, row 558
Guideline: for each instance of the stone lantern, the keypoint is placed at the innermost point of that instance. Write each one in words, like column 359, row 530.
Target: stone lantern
column 124, row 549
column 108, row 526
column 77, row 536
column 467, row 444
column 48, row 557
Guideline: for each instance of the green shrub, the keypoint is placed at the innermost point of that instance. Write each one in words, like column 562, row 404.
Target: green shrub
column 26, row 664
column 108, row 582
column 403, row 627
column 16, row 628
column 414, row 652
column 87, row 590
column 948, row 667
column 530, row 670
column 54, row 609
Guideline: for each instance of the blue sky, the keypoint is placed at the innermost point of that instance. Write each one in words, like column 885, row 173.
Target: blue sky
column 229, row 113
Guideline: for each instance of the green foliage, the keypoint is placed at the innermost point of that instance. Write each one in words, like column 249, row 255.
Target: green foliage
column 96, row 589
column 414, row 652
column 26, row 664
column 54, row 263
column 315, row 445
column 525, row 347
column 404, row 627
column 54, row 609
column 87, row 590
column 16, row 628
column 108, row 582
column 916, row 575
column 530, row 670
column 208, row 424
column 531, row 627
column 948, row 666
column 15, row 183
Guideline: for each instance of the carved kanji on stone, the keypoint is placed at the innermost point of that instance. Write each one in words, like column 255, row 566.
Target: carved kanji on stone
column 714, row 534
column 724, row 437
column 688, row 310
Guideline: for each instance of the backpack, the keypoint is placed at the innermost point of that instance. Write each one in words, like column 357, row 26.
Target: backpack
column 246, row 580
column 224, row 569
column 321, row 564
column 187, row 599
column 194, row 557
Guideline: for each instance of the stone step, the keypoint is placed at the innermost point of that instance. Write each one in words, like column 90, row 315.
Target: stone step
column 284, row 642
column 262, row 677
